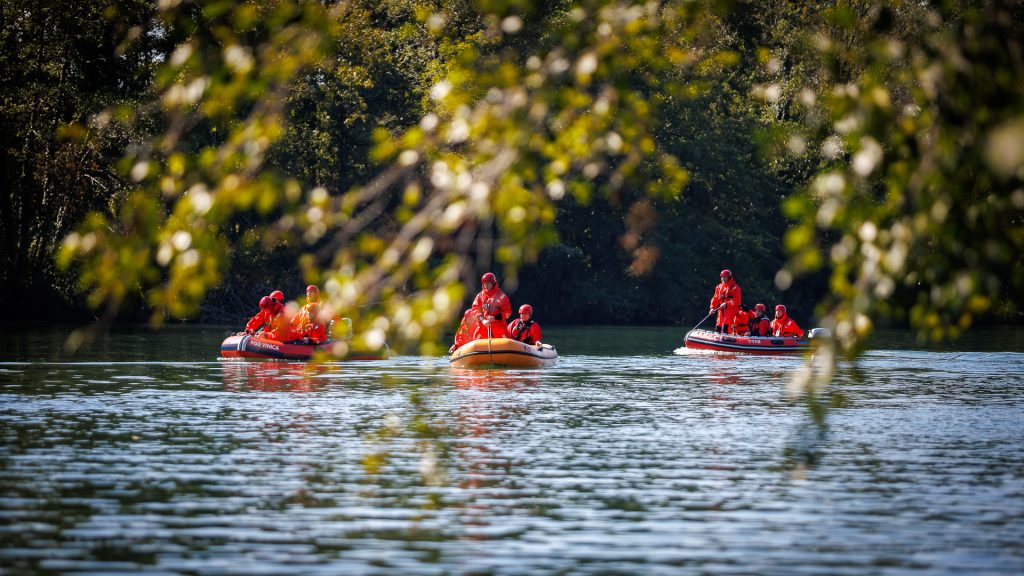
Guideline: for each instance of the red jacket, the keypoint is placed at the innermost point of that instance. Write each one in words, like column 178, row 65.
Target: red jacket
column 729, row 294
column 526, row 332
column 785, row 326
column 498, row 330
column 760, row 326
column 260, row 320
column 496, row 297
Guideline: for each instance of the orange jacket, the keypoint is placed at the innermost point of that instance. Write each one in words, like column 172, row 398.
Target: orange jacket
column 728, row 293
column 280, row 328
column 465, row 332
column 261, row 319
column 785, row 326
column 741, row 324
column 496, row 297
column 526, row 332
column 498, row 330
column 307, row 323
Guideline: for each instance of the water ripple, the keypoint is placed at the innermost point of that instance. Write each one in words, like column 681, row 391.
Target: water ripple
column 637, row 463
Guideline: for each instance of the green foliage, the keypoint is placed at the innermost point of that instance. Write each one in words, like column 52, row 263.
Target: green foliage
column 477, row 176
column 919, row 211
column 393, row 150
column 61, row 64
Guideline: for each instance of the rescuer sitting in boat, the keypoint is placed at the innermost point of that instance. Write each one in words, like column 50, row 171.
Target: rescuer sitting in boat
column 278, row 297
column 759, row 323
column 280, row 326
column 741, row 322
column 727, row 300
column 490, row 324
column 524, row 328
column 783, row 325
column 465, row 332
column 307, row 324
column 492, row 293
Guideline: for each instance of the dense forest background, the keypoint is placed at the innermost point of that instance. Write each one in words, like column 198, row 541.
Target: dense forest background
column 78, row 88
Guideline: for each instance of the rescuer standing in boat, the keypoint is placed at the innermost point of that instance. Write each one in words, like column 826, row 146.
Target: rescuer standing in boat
column 493, row 294
column 490, row 326
column 727, row 293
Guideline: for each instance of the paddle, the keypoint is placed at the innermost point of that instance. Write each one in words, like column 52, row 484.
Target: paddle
column 708, row 316
column 489, row 337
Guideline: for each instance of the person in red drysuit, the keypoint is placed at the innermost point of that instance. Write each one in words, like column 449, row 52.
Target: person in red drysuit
column 307, row 324
column 492, row 293
column 280, row 325
column 727, row 293
column 490, row 325
column 524, row 328
column 465, row 332
column 759, row 323
column 262, row 318
column 783, row 325
column 278, row 297
column 741, row 322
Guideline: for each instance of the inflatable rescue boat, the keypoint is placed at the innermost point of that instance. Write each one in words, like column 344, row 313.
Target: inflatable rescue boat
column 701, row 339
column 504, row 352
column 246, row 346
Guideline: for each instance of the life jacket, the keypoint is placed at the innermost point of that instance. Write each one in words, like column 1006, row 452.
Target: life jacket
column 306, row 323
column 760, row 326
column 496, row 297
column 497, row 330
column 526, row 332
column 466, row 328
column 741, row 324
column 280, row 328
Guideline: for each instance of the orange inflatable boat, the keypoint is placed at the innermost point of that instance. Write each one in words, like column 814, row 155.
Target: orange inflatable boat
column 504, row 352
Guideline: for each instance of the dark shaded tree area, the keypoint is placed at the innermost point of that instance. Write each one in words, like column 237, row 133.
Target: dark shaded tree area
column 728, row 216
column 61, row 66
column 739, row 130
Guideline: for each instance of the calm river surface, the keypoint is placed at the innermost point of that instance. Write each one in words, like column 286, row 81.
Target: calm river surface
column 147, row 453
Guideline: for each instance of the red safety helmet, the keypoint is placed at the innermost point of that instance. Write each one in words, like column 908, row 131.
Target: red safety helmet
column 277, row 295
column 781, row 308
column 488, row 278
column 312, row 293
column 759, row 307
column 526, row 309
column 266, row 303
column 725, row 274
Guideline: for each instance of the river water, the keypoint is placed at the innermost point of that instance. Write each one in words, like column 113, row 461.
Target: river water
column 145, row 452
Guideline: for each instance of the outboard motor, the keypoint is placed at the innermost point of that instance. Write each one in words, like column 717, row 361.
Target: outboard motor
column 821, row 333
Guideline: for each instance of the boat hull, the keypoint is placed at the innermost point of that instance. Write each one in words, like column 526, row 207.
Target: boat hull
column 246, row 346
column 709, row 340
column 504, row 352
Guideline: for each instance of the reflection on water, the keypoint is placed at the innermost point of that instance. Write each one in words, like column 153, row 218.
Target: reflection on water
column 272, row 376
column 153, row 454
